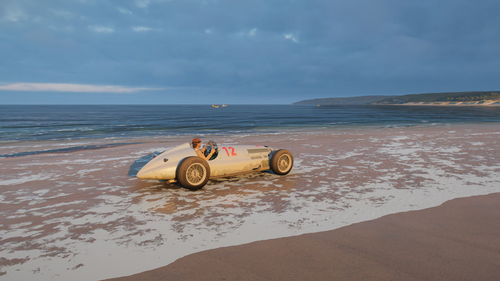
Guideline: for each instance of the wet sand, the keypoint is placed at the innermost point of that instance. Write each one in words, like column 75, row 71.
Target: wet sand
column 65, row 214
column 459, row 240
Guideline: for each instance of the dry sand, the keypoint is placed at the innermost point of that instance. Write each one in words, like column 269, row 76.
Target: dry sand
column 459, row 240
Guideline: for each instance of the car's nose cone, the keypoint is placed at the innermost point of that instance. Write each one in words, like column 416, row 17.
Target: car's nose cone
column 156, row 173
column 142, row 174
column 149, row 173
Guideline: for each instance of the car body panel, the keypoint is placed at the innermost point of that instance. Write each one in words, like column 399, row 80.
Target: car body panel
column 231, row 159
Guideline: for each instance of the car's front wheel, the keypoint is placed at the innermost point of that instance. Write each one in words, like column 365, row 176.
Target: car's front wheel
column 193, row 173
column 281, row 162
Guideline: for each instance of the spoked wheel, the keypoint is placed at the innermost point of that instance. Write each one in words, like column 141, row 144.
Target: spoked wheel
column 282, row 162
column 193, row 173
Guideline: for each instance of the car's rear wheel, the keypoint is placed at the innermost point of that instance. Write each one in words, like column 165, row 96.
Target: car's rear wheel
column 193, row 173
column 281, row 162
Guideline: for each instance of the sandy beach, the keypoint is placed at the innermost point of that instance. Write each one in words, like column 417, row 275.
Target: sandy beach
column 458, row 240
column 72, row 210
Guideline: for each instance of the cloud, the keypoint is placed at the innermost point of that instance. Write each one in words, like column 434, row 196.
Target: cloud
column 101, row 29
column 142, row 3
column 249, row 33
column 14, row 14
column 318, row 47
column 124, row 11
column 74, row 88
column 291, row 37
column 252, row 32
column 141, row 28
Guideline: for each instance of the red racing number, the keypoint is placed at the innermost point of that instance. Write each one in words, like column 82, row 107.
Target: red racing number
column 229, row 150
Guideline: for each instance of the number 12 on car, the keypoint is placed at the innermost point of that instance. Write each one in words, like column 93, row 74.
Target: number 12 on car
column 229, row 150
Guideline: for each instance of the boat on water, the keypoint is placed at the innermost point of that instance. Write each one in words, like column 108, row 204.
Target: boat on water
column 219, row 105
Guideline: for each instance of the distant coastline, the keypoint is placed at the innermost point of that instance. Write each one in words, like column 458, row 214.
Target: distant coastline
column 484, row 98
column 482, row 103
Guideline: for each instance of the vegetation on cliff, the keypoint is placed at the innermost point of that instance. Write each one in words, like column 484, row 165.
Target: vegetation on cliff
column 441, row 97
column 429, row 98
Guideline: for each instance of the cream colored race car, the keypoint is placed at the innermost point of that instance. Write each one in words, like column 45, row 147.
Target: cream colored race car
column 180, row 164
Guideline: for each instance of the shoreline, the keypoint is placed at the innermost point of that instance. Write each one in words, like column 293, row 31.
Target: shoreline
column 84, row 204
column 256, row 132
column 456, row 240
column 9, row 144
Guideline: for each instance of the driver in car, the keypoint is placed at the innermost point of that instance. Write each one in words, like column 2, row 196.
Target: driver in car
column 200, row 151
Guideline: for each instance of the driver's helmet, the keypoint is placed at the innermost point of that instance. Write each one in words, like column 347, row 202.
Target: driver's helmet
column 209, row 146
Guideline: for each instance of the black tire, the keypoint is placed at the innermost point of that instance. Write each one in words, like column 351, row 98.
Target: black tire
column 281, row 162
column 193, row 173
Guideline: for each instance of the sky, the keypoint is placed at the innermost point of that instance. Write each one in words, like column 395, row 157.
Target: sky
column 243, row 52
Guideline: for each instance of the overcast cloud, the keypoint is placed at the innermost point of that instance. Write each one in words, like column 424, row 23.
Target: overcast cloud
column 259, row 51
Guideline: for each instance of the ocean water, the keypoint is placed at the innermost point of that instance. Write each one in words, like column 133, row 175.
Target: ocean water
column 55, row 122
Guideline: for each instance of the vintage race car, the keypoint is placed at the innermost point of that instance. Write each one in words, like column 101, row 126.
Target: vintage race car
column 180, row 164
